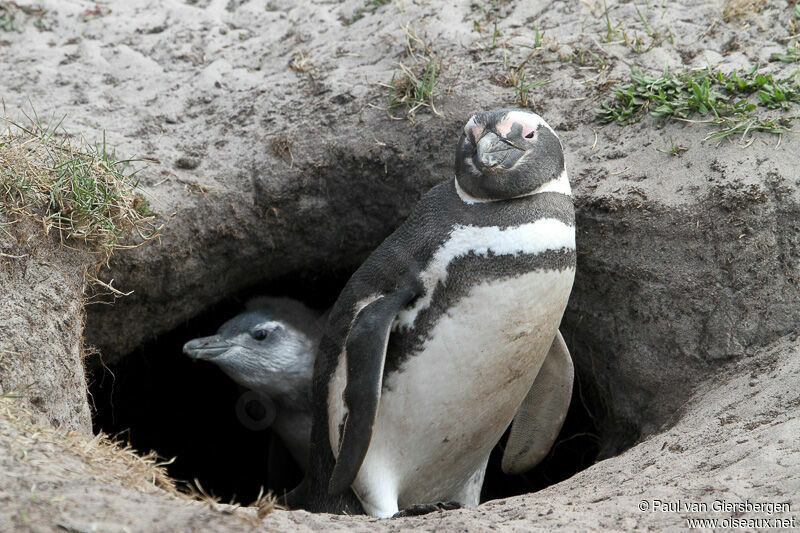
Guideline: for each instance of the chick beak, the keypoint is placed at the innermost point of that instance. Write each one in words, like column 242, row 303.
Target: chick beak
column 206, row 348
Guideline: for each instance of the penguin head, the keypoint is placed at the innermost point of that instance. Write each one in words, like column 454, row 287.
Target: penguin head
column 263, row 350
column 506, row 153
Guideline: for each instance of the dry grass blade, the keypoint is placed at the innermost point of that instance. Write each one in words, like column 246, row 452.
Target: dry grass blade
column 109, row 459
column 199, row 493
column 301, row 62
column 265, row 503
column 57, row 458
column 738, row 9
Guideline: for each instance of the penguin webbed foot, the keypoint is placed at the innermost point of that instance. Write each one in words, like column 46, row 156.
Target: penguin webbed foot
column 426, row 508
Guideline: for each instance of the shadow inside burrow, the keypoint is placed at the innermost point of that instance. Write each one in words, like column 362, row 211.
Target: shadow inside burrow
column 158, row 399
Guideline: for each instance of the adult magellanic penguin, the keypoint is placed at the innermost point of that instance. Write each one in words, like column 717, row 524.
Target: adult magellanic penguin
column 447, row 331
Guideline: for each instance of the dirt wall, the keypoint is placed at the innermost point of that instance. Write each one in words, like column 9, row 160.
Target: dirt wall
column 41, row 323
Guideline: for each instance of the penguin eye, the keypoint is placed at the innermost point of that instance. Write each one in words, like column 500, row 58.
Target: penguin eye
column 260, row 334
column 530, row 134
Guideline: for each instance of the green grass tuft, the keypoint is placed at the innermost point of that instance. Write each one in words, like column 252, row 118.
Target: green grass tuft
column 12, row 16
column 412, row 91
column 85, row 192
column 522, row 88
column 8, row 16
column 792, row 54
column 674, row 149
column 725, row 99
column 414, row 87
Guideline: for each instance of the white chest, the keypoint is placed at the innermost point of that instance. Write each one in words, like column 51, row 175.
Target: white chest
column 441, row 415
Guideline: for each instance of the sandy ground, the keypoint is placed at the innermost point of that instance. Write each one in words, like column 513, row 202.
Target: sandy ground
column 735, row 442
column 268, row 148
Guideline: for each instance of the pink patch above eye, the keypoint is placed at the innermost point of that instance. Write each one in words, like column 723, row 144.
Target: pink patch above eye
column 504, row 128
column 528, row 131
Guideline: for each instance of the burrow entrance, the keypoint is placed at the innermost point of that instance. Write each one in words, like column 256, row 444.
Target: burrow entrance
column 158, row 399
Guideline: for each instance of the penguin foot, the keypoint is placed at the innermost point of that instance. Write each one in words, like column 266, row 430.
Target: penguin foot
column 425, row 508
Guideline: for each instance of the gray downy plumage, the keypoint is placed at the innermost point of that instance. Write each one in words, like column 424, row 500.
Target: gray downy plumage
column 270, row 349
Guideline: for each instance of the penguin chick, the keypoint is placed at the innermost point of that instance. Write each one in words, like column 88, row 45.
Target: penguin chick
column 270, row 348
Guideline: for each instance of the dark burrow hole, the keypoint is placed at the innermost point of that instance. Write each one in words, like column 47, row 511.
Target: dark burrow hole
column 158, row 399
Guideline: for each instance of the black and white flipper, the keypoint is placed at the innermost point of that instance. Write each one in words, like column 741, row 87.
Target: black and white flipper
column 365, row 354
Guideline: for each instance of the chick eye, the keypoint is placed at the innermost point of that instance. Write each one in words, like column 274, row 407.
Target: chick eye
column 530, row 134
column 260, row 334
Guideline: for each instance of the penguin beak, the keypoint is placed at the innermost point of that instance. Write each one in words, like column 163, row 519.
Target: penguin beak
column 493, row 150
column 206, row 348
